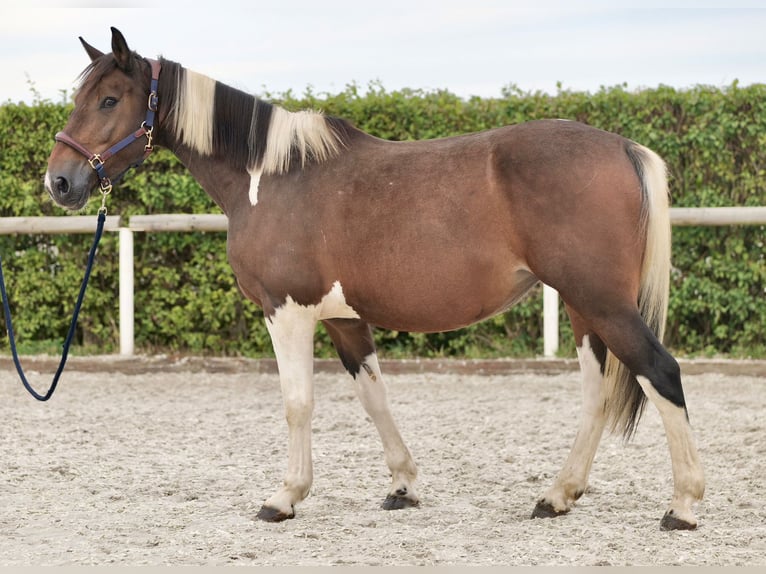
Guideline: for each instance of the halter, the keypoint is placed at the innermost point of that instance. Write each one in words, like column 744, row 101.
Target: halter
column 97, row 160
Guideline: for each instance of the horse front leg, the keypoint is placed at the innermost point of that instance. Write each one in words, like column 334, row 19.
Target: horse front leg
column 292, row 334
column 353, row 341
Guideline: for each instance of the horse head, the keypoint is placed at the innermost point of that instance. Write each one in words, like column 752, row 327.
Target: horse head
column 110, row 115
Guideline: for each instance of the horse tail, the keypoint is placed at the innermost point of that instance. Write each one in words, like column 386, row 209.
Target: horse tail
column 625, row 399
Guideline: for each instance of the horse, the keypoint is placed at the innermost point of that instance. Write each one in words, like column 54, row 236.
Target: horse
column 329, row 224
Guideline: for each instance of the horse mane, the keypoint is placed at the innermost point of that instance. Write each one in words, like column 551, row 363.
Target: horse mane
column 215, row 119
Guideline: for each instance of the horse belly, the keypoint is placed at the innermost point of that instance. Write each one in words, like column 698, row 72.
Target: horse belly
column 432, row 302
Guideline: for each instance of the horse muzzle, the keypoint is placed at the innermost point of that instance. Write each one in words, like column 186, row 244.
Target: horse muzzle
column 70, row 188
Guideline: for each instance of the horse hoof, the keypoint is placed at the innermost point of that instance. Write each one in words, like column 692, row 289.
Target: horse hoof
column 671, row 522
column 268, row 514
column 545, row 509
column 397, row 502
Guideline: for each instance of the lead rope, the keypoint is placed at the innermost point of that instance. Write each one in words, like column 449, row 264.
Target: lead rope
column 78, row 305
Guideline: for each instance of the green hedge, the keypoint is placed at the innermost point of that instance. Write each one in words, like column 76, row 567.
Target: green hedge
column 713, row 139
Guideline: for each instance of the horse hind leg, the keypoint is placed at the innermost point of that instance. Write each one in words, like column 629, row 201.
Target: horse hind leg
column 658, row 374
column 572, row 480
column 353, row 341
column 688, row 478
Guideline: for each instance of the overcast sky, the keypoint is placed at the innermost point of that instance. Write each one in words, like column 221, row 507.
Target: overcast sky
column 470, row 47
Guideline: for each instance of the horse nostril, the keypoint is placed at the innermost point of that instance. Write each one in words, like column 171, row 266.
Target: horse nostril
column 61, row 185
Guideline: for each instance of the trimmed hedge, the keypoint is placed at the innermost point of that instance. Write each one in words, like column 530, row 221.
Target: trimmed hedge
column 713, row 139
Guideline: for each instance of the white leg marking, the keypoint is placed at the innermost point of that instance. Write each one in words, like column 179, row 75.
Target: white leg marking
column 573, row 478
column 292, row 334
column 688, row 477
column 255, row 180
column 372, row 393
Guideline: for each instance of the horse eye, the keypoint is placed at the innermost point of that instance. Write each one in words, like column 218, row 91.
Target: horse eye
column 109, row 102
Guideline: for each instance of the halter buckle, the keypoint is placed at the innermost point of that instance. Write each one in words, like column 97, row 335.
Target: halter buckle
column 95, row 161
column 153, row 102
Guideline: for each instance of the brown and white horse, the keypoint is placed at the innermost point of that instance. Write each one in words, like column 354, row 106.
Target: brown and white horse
column 327, row 223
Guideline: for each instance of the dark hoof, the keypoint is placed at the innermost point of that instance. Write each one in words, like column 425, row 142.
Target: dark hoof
column 268, row 514
column 671, row 522
column 397, row 502
column 545, row 509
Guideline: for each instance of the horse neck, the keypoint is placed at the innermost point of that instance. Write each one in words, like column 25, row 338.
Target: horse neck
column 223, row 134
column 218, row 176
column 225, row 185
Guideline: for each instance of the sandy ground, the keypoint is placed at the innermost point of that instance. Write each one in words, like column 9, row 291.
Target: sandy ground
column 166, row 461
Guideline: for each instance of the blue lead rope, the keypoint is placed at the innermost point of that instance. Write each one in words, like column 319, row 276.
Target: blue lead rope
column 70, row 335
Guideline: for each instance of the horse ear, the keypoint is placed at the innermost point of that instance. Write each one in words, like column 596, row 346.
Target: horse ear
column 93, row 53
column 121, row 52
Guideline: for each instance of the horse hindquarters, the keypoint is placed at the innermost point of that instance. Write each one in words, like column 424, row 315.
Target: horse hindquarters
column 634, row 364
column 655, row 370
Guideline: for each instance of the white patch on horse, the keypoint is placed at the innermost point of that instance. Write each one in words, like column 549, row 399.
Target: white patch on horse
column 307, row 132
column 688, row 476
column 193, row 111
column 573, row 477
column 373, row 394
column 593, row 400
column 292, row 333
column 334, row 306
column 48, row 183
column 255, row 180
column 291, row 328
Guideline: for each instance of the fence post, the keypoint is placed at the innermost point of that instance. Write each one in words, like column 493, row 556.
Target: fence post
column 126, row 292
column 550, row 321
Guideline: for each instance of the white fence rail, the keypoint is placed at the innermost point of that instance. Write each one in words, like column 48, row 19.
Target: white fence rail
column 164, row 223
